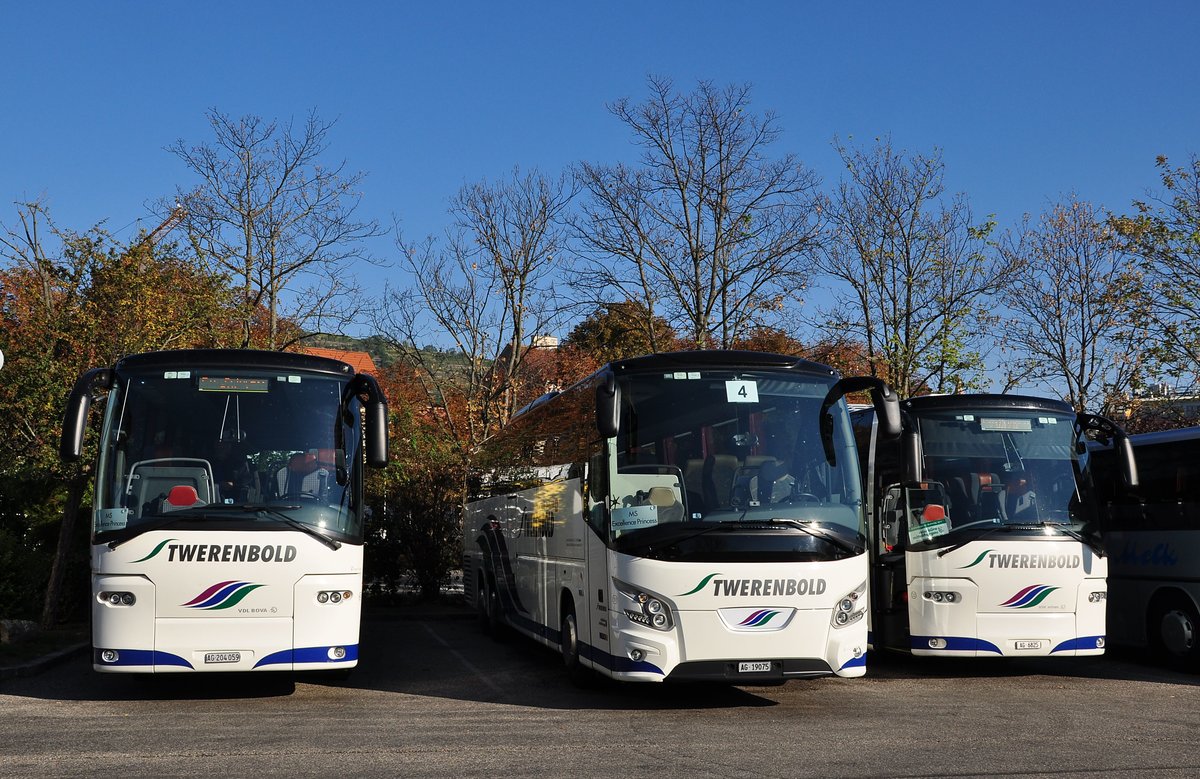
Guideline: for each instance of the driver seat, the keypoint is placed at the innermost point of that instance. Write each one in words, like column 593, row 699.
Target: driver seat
column 300, row 475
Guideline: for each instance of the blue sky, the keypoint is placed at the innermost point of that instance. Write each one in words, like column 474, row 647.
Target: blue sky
column 1027, row 100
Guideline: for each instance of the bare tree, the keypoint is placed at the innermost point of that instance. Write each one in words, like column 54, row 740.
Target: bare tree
column 707, row 231
column 488, row 289
column 1076, row 306
column 913, row 272
column 272, row 216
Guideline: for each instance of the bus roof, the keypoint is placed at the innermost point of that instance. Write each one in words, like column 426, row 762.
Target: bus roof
column 726, row 358
column 233, row 358
column 989, row 401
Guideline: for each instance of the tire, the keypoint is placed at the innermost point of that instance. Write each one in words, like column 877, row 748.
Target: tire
column 481, row 608
column 493, row 621
column 569, row 645
column 1174, row 633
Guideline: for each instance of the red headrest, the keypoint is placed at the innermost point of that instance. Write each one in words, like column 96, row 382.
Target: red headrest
column 302, row 463
column 183, row 495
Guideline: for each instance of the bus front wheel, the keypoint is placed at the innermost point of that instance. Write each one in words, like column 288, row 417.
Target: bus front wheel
column 1175, row 633
column 569, row 639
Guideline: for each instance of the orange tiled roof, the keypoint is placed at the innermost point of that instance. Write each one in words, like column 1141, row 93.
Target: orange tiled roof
column 361, row 362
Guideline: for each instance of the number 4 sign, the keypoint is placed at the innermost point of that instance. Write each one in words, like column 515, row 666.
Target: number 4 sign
column 741, row 391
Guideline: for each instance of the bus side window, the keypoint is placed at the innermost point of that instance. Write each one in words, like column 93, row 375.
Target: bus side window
column 597, row 490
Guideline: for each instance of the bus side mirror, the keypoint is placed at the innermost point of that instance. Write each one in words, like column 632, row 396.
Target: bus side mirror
column 1107, row 431
column 883, row 398
column 75, row 418
column 377, row 434
column 376, row 422
column 608, row 406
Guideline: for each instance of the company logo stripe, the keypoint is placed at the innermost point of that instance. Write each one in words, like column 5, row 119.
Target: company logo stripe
column 978, row 560
column 157, row 549
column 209, row 592
column 226, row 595
column 703, row 582
column 759, row 618
column 1013, row 600
column 1029, row 597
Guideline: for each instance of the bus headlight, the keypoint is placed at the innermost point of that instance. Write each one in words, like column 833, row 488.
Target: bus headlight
column 334, row 596
column 850, row 607
column 1097, row 597
column 943, row 596
column 643, row 607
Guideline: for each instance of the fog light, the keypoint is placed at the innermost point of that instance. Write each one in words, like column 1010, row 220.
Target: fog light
column 1100, row 642
column 937, row 643
column 337, row 653
column 636, row 655
column 322, row 597
column 110, row 656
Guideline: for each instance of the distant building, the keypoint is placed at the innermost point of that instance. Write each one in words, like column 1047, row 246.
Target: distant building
column 361, row 362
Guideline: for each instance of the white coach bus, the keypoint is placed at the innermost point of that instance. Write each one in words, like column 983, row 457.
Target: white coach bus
column 1152, row 534
column 227, row 525
column 983, row 528
column 684, row 516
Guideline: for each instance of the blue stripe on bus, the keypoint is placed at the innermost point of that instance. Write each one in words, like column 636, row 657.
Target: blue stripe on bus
column 308, row 654
column 954, row 644
column 1082, row 642
column 855, row 662
column 129, row 657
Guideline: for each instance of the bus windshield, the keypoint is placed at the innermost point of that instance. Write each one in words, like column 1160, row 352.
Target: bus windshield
column 228, row 449
column 1004, row 467
column 720, row 451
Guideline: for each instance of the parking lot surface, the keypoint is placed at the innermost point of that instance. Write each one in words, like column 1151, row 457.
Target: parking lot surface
column 434, row 697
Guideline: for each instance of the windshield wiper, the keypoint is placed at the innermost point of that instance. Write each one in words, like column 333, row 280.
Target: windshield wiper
column 145, row 527
column 816, row 531
column 275, row 513
column 1066, row 531
column 984, row 534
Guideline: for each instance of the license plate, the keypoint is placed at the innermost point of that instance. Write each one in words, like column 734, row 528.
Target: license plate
column 223, row 657
column 1029, row 645
column 754, row 668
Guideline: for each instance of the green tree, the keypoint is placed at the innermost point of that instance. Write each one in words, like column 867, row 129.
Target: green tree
column 615, row 331
column 1164, row 232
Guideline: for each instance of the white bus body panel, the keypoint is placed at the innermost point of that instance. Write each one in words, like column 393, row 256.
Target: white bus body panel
column 1011, row 598
column 226, row 601
column 729, row 613
column 541, row 538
